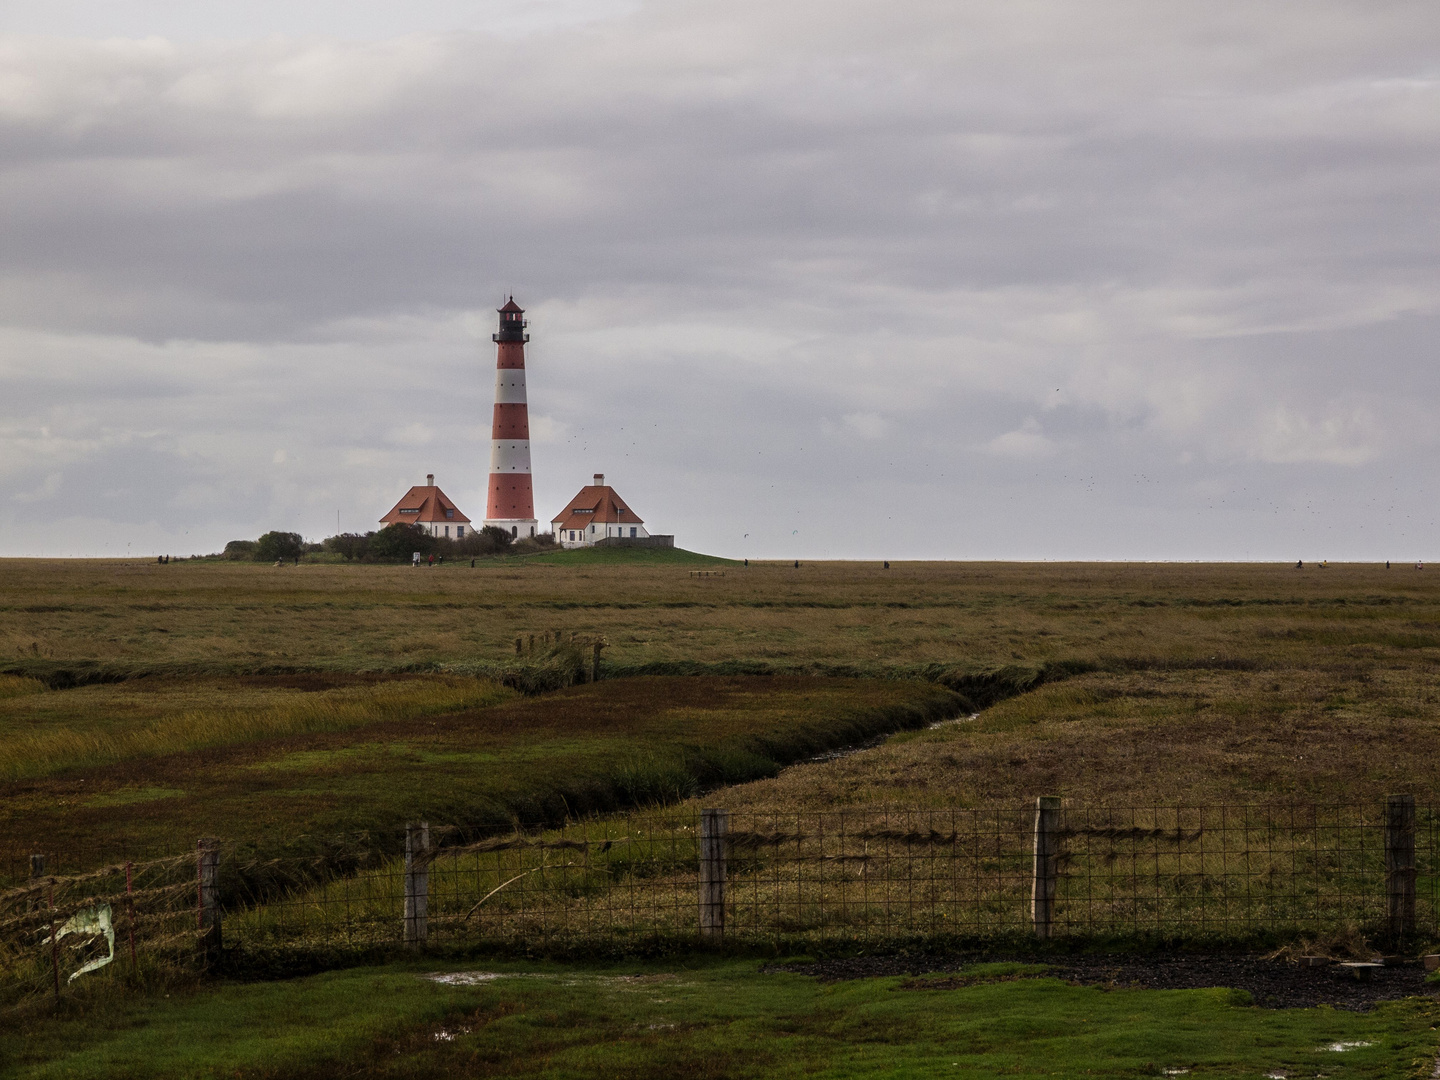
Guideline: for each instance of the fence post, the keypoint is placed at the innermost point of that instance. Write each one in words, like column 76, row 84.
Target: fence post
column 595, row 663
column 207, row 906
column 417, row 882
column 1047, row 850
column 713, row 826
column 1400, row 863
column 37, row 871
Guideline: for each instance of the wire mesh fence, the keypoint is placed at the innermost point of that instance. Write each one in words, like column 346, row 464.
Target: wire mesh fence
column 861, row 876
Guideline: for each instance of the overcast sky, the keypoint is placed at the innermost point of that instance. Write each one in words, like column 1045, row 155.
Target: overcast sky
column 1128, row 279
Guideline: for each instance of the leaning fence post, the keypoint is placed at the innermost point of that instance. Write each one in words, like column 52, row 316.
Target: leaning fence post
column 1047, row 850
column 207, row 906
column 713, row 826
column 1400, row 863
column 417, row 882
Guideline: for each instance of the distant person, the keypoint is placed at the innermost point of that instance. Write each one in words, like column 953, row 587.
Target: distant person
column 1419, row 564
column 415, row 558
column 1387, row 564
column 160, row 559
column 472, row 564
column 797, row 564
column 747, row 562
column 1299, row 564
column 432, row 560
column 887, row 566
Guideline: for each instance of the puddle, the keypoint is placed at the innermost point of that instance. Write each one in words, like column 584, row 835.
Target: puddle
column 1341, row 1047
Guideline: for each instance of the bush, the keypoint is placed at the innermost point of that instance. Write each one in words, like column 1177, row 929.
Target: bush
column 239, row 549
column 351, row 545
column 279, row 545
column 397, row 542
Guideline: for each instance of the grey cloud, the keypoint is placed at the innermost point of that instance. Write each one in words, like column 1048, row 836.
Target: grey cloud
column 1203, row 240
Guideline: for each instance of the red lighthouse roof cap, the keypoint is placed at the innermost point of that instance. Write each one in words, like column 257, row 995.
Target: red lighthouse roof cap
column 511, row 306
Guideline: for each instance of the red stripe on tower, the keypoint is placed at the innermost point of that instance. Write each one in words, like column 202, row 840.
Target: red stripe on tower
column 511, row 502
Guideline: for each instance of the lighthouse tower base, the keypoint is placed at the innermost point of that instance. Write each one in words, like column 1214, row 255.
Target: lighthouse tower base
column 518, row 528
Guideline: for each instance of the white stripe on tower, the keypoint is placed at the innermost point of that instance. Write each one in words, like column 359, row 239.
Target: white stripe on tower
column 510, row 504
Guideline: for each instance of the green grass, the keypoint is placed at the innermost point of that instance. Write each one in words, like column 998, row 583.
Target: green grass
column 704, row 1019
column 638, row 557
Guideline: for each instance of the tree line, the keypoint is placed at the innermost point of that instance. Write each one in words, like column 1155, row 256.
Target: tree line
column 394, row 543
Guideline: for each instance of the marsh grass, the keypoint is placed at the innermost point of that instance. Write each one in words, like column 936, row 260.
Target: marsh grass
column 30, row 754
column 19, row 686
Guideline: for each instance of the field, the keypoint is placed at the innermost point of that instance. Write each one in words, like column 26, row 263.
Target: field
column 156, row 702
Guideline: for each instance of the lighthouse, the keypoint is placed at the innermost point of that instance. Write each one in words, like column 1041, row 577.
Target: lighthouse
column 511, row 502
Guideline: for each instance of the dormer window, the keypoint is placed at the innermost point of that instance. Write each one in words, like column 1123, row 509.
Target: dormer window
column 449, row 513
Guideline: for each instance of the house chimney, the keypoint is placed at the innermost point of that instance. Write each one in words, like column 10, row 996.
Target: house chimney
column 599, row 479
column 429, row 479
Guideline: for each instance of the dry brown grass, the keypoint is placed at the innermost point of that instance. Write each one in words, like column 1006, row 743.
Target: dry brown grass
column 1152, row 737
column 238, row 616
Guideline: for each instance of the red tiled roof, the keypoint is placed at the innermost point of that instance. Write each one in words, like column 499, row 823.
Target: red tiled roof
column 595, row 505
column 423, row 503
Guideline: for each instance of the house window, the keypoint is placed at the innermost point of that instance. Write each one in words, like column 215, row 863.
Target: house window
column 447, row 530
column 459, row 531
column 514, row 530
column 592, row 528
column 449, row 513
column 632, row 530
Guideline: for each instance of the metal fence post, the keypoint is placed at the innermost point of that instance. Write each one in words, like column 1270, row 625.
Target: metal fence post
column 1400, row 863
column 1047, row 850
column 207, row 905
column 713, row 826
column 417, row 882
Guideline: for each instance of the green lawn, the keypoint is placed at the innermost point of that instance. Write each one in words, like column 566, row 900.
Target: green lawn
column 704, row 1019
column 640, row 557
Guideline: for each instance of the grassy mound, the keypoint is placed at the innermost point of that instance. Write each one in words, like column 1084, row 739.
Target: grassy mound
column 623, row 556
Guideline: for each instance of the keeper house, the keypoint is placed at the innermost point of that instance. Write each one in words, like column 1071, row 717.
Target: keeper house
column 427, row 506
column 596, row 513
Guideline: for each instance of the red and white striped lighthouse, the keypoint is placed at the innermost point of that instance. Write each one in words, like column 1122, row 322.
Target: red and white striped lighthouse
column 511, row 503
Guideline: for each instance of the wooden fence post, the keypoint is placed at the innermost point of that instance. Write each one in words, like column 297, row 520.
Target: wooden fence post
column 1400, row 863
column 713, row 826
column 595, row 663
column 37, row 871
column 1047, row 851
column 417, row 882
column 207, row 905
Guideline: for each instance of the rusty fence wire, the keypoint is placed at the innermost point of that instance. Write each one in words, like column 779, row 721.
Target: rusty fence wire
column 858, row 876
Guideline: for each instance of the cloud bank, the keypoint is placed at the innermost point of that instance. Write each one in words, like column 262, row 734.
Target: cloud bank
column 1123, row 280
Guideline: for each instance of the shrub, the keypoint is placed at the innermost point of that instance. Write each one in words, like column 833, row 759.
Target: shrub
column 279, row 545
column 351, row 545
column 239, row 549
column 397, row 542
